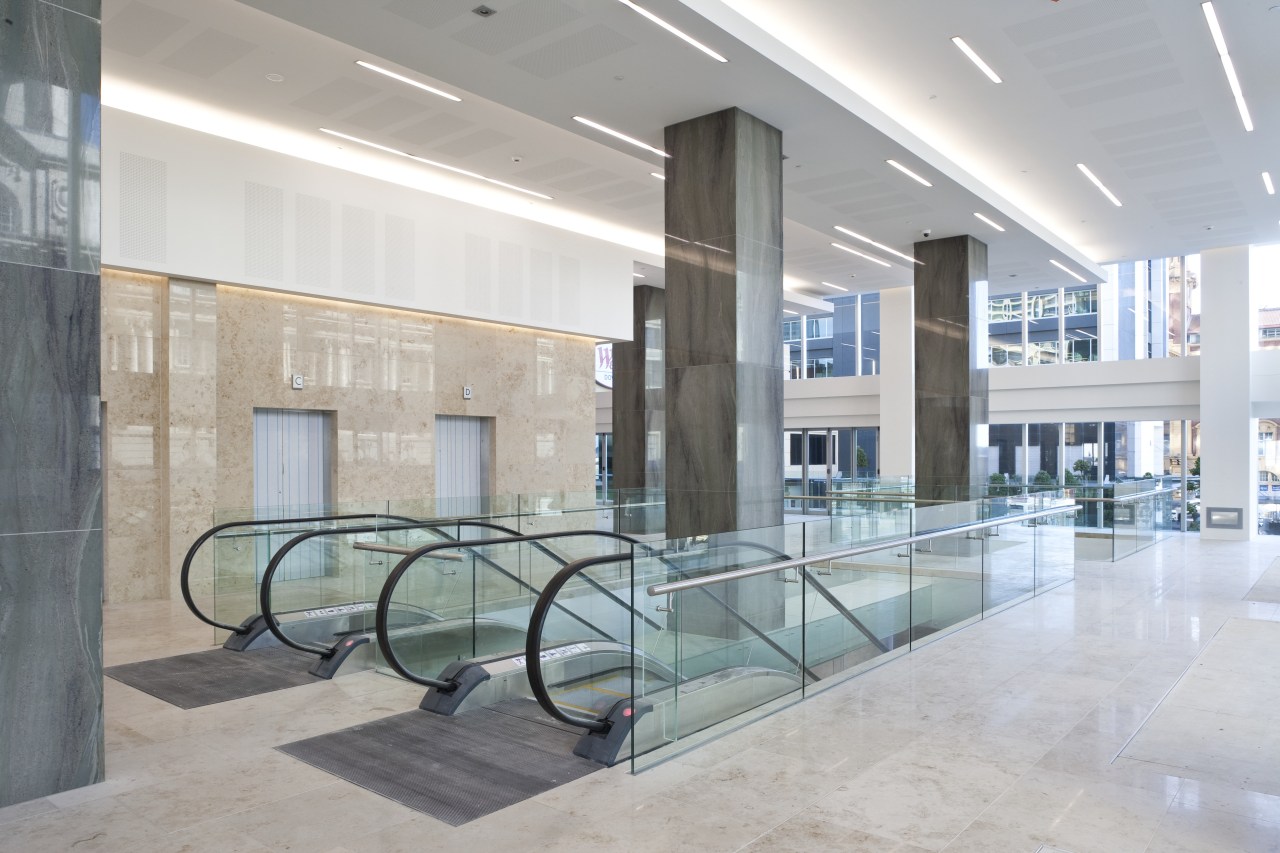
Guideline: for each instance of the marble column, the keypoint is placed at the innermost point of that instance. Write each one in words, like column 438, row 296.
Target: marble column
column 724, row 324
column 50, row 441
column 950, row 368
column 638, row 367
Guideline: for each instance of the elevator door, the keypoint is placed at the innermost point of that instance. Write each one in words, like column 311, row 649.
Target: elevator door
column 463, row 448
column 292, row 478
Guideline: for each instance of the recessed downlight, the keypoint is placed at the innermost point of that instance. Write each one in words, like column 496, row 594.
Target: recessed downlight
column 1266, row 182
column 1069, row 272
column 989, row 221
column 1097, row 183
column 842, row 247
column 446, row 167
column 835, row 286
column 680, row 34
column 910, row 174
column 880, row 246
column 1228, row 67
column 386, row 72
column 620, row 135
column 977, row 60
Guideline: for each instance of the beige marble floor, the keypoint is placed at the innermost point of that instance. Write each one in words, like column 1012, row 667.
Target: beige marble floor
column 1006, row 736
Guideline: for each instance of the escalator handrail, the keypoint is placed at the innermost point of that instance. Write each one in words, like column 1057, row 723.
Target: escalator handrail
column 268, row 576
column 395, row 575
column 184, row 577
column 533, row 642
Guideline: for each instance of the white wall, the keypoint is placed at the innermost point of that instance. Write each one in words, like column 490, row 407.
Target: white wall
column 181, row 202
column 1228, row 432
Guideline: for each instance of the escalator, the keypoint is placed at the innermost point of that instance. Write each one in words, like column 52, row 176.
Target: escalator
column 591, row 668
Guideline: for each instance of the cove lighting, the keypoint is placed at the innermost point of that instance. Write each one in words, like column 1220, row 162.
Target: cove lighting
column 835, row 286
column 1074, row 275
column 600, row 127
column 842, row 247
column 910, row 174
column 403, row 79
column 977, row 60
column 433, row 163
column 989, row 222
column 880, row 246
column 1097, row 183
column 1266, row 182
column 1229, row 67
column 675, row 32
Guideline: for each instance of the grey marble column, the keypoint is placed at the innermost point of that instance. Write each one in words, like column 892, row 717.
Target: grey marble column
column 639, row 472
column 50, row 440
column 951, row 386
column 724, row 324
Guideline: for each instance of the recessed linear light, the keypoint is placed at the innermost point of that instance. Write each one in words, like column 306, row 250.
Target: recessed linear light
column 842, row 247
column 989, row 222
column 600, row 127
column 658, row 175
column 910, row 174
column 403, row 79
column 675, row 32
column 437, row 165
column 1074, row 275
column 1228, row 66
column 789, row 311
column 1266, row 182
column 880, row 246
column 835, row 286
column 977, row 60
column 638, row 275
column 1097, row 183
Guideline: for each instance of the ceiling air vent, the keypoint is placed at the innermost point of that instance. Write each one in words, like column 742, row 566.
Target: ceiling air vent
column 485, row 11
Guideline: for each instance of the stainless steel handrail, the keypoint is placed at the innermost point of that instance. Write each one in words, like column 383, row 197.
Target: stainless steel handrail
column 737, row 574
column 396, row 549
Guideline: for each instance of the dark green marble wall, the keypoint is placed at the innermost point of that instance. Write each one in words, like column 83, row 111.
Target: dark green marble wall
column 50, row 439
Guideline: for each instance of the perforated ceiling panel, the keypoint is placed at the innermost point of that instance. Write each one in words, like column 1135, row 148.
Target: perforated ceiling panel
column 144, row 207
column 551, row 171
column 335, row 96
column 430, row 13
column 573, row 51
column 432, row 128
column 516, row 25
column 139, row 28
column 385, row 112
column 474, row 143
column 208, row 53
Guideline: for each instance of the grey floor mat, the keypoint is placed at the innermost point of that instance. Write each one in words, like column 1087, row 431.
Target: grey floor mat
column 455, row 769
column 217, row 675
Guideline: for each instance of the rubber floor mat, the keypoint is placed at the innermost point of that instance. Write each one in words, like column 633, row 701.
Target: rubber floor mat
column 217, row 675
column 455, row 769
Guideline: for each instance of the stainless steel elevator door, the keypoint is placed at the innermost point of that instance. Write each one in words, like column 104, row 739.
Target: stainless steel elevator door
column 463, row 451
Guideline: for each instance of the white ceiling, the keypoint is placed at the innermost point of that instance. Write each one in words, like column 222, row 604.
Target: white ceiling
column 524, row 72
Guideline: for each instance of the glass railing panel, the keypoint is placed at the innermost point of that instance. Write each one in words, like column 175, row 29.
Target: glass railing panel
column 1056, row 545
column 1124, row 528
column 1009, row 570
column 734, row 652
column 857, row 613
column 950, row 567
